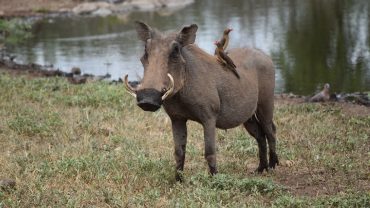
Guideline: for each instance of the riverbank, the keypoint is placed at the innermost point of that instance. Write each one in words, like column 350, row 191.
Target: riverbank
column 40, row 8
column 90, row 145
column 8, row 65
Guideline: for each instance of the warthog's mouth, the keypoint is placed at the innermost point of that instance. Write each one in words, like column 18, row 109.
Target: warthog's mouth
column 149, row 106
column 149, row 99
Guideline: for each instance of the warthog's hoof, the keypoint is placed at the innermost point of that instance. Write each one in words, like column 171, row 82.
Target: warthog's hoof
column 274, row 161
column 213, row 171
column 179, row 176
column 261, row 168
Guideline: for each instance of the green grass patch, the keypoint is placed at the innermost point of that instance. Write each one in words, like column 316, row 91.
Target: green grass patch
column 91, row 146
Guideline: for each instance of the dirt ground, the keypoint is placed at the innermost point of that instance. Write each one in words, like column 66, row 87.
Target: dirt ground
column 301, row 176
column 12, row 8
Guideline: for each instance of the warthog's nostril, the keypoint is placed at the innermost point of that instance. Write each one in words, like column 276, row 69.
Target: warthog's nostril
column 149, row 99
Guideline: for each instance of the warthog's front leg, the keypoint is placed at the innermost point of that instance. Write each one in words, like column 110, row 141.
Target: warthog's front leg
column 179, row 132
column 210, row 145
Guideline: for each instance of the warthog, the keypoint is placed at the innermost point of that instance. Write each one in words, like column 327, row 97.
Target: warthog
column 192, row 85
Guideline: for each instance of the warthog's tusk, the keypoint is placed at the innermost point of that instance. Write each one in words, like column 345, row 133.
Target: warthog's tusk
column 128, row 87
column 172, row 87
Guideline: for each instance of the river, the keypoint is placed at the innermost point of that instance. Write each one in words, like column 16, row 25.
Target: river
column 311, row 42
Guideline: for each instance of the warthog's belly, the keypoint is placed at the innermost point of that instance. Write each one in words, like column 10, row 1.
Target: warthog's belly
column 231, row 116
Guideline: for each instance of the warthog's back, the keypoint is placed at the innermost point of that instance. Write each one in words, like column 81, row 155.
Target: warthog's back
column 234, row 99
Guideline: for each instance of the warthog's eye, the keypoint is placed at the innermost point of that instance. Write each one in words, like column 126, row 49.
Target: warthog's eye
column 175, row 50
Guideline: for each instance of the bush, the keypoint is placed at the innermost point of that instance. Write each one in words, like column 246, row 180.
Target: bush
column 14, row 31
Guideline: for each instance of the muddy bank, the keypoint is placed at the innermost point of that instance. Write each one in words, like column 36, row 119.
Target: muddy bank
column 75, row 77
column 41, row 8
column 360, row 98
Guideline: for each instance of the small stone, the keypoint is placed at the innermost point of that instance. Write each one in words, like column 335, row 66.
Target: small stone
column 76, row 70
column 7, row 183
column 118, row 149
column 85, row 8
column 106, row 131
column 102, row 12
column 288, row 163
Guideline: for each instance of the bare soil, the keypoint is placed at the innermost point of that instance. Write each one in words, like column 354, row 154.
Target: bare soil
column 16, row 8
column 317, row 182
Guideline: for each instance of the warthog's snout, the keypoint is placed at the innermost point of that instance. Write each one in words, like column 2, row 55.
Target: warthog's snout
column 149, row 99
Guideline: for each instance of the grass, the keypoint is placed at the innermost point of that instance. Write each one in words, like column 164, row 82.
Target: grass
column 14, row 31
column 90, row 146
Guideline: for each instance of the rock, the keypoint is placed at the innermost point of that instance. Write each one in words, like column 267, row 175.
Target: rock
column 322, row 96
column 150, row 5
column 118, row 149
column 113, row 1
column 76, row 70
column 177, row 3
column 106, row 131
column 52, row 73
column 143, row 5
column 85, row 8
column 101, row 77
column 63, row 10
column 287, row 163
column 102, row 12
column 358, row 98
column 77, row 79
column 90, row 7
column 7, row 183
column 88, row 75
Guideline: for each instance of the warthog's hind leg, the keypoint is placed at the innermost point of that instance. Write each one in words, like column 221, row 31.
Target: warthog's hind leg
column 269, row 129
column 255, row 129
column 179, row 131
column 271, row 139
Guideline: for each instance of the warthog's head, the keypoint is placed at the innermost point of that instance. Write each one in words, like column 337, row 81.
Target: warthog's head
column 164, row 65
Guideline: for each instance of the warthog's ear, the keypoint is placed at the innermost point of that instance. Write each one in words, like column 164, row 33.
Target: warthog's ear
column 187, row 35
column 144, row 31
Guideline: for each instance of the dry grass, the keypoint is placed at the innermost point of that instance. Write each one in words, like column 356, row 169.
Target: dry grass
column 90, row 146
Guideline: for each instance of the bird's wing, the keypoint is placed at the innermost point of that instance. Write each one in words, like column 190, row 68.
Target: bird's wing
column 227, row 59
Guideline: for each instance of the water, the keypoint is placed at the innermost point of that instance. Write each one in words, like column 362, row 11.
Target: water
column 311, row 41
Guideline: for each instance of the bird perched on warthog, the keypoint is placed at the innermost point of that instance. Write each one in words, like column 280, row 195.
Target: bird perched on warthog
column 192, row 85
column 225, row 38
column 224, row 59
column 221, row 54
